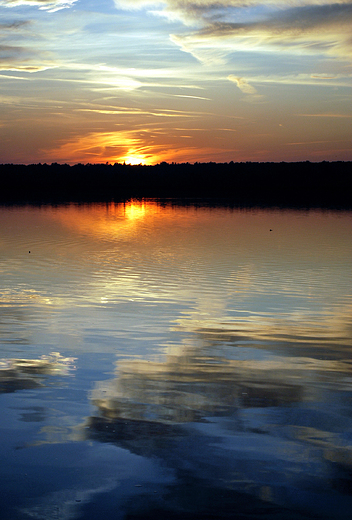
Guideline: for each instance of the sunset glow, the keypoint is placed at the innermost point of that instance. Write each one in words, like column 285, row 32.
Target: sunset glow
column 111, row 220
column 145, row 81
column 134, row 159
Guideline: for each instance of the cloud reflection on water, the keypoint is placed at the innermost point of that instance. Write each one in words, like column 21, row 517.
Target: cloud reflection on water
column 233, row 371
column 23, row 374
column 266, row 421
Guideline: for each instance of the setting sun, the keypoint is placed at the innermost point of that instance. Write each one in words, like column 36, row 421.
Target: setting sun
column 134, row 159
column 204, row 81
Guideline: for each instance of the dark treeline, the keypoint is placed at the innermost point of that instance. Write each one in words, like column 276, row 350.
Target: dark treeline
column 303, row 184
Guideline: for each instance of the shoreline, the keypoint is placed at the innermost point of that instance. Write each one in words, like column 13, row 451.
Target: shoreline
column 326, row 185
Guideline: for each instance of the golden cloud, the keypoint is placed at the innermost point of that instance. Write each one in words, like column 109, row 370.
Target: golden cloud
column 242, row 84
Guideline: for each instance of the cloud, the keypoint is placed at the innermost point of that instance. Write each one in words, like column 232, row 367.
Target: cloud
column 343, row 116
column 292, row 24
column 16, row 58
column 242, row 84
column 313, row 30
column 149, row 143
column 198, row 5
column 19, row 58
column 322, row 77
column 49, row 5
column 300, row 26
column 338, row 80
column 17, row 52
column 19, row 374
column 209, row 10
column 13, row 25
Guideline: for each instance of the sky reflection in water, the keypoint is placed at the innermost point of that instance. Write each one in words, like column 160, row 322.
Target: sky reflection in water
column 178, row 362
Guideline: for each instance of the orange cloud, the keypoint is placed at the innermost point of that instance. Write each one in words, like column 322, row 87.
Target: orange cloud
column 104, row 147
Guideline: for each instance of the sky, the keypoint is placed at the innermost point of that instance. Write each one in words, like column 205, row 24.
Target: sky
column 142, row 81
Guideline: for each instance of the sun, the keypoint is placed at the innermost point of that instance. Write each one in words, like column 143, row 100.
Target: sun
column 134, row 159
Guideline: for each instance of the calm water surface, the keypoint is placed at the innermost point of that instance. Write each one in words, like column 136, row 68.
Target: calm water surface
column 169, row 362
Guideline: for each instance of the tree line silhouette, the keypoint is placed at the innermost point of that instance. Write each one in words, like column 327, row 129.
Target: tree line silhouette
column 301, row 184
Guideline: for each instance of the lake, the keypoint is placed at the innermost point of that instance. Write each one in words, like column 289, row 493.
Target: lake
column 170, row 361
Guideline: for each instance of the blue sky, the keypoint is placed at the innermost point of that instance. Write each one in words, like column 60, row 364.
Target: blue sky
column 176, row 80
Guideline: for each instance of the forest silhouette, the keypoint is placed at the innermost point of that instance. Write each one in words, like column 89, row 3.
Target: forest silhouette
column 300, row 184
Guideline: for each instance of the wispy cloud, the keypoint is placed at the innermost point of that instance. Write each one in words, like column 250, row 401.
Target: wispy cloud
column 18, row 58
column 348, row 116
column 300, row 26
column 191, row 97
column 174, row 80
column 305, row 143
column 15, row 52
column 243, row 85
column 322, row 77
column 338, row 80
column 49, row 5
column 141, row 145
column 10, row 26
column 139, row 112
column 311, row 30
column 210, row 9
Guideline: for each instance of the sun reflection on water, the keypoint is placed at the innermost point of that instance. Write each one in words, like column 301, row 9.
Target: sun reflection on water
column 203, row 340
column 108, row 220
